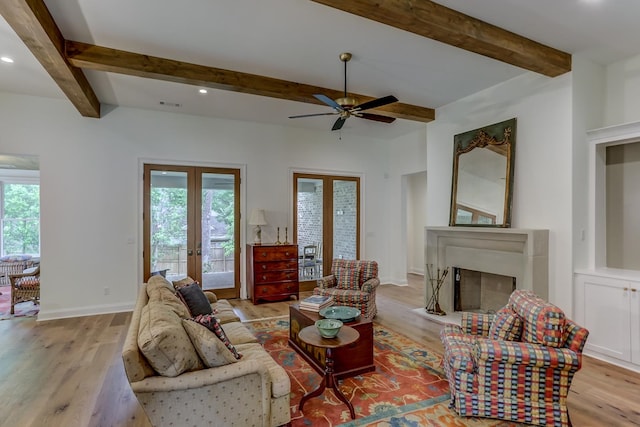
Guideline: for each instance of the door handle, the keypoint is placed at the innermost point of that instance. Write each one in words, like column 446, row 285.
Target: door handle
column 190, row 252
column 199, row 252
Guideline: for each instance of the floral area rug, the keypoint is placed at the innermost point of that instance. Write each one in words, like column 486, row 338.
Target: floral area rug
column 24, row 309
column 408, row 387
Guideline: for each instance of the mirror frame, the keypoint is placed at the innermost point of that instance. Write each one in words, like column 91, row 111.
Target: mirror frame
column 480, row 138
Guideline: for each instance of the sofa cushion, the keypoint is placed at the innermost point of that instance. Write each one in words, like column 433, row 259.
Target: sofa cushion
column 348, row 278
column 543, row 322
column 210, row 349
column 195, row 299
column 210, row 322
column 506, row 325
column 164, row 342
column 280, row 382
column 158, row 292
column 238, row 333
column 223, row 311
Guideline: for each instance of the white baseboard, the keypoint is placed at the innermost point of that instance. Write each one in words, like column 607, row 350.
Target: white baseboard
column 44, row 315
column 419, row 271
column 394, row 281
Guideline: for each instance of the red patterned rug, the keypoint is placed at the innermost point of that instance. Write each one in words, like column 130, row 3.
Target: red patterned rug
column 24, row 309
column 408, row 387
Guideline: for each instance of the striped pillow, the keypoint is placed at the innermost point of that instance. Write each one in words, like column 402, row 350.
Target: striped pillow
column 506, row 326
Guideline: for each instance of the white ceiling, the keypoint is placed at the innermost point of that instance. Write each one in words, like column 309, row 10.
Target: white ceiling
column 300, row 41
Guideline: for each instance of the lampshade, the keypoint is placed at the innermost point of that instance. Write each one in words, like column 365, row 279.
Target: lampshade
column 257, row 217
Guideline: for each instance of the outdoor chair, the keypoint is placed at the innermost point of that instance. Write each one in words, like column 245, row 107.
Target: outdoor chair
column 25, row 287
column 308, row 262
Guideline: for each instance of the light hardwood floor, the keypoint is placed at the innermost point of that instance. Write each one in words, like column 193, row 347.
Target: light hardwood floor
column 69, row 372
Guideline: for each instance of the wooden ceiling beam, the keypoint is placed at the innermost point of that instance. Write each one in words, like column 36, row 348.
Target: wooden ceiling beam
column 437, row 22
column 33, row 23
column 100, row 58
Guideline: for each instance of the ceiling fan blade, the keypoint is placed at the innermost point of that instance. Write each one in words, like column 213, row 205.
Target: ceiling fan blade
column 375, row 117
column 313, row 115
column 375, row 103
column 339, row 123
column 330, row 102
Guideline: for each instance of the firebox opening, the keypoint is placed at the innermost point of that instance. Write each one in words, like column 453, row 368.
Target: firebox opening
column 480, row 291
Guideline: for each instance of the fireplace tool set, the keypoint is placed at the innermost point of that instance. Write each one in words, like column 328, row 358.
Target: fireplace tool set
column 433, row 306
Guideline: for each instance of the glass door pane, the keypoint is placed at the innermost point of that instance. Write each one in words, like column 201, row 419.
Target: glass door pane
column 216, row 246
column 345, row 219
column 168, row 224
column 310, row 208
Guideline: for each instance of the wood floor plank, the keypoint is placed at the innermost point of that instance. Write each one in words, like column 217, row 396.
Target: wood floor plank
column 69, row 372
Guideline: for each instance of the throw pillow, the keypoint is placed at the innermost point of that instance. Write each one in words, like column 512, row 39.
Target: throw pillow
column 348, row 278
column 211, row 323
column 506, row 326
column 544, row 323
column 211, row 350
column 195, row 299
column 164, row 342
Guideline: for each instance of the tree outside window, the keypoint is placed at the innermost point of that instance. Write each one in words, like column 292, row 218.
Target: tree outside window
column 21, row 219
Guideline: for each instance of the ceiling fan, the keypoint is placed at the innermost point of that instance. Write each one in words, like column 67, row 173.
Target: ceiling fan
column 348, row 106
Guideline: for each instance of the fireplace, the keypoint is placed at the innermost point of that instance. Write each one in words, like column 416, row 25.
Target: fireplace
column 520, row 255
column 479, row 291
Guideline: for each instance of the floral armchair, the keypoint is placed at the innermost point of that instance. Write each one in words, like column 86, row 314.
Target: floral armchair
column 352, row 283
column 516, row 365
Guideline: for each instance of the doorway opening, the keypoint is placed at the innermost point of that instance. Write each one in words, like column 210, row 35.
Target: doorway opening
column 326, row 221
column 191, row 225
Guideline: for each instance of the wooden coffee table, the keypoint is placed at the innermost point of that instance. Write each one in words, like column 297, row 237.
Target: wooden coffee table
column 310, row 335
column 348, row 361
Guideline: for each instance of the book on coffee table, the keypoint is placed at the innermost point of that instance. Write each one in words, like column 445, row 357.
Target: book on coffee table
column 316, row 302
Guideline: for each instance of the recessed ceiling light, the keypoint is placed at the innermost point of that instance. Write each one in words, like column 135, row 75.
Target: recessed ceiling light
column 6, row 59
column 203, row 91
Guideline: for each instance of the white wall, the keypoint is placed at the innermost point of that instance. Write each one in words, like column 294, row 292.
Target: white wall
column 588, row 113
column 622, row 100
column 407, row 155
column 542, row 173
column 416, row 219
column 91, row 187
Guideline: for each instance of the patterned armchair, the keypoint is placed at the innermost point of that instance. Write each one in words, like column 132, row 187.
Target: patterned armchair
column 352, row 283
column 25, row 287
column 516, row 365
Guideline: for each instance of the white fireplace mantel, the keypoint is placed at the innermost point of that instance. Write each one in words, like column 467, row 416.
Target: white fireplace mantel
column 514, row 252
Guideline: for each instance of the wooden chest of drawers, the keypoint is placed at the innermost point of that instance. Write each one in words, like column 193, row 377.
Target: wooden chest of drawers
column 272, row 272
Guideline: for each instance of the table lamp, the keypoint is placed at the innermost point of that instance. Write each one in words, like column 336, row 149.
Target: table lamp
column 257, row 219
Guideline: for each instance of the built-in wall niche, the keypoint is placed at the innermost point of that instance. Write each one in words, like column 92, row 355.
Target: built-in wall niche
column 622, row 206
column 480, row 291
column 614, row 223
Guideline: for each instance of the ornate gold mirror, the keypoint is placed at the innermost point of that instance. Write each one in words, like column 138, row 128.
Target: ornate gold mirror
column 482, row 185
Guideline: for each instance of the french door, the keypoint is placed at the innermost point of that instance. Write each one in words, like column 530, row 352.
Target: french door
column 326, row 220
column 191, row 225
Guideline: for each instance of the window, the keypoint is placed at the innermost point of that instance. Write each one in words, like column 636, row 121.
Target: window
column 20, row 211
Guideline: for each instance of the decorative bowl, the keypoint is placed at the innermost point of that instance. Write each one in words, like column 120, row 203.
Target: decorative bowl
column 328, row 328
column 340, row 312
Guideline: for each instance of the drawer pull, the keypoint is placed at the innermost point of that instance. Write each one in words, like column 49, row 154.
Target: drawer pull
column 633, row 289
column 264, row 267
column 264, row 277
column 625, row 289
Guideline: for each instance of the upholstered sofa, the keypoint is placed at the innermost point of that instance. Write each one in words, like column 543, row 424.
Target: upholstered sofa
column 352, row 283
column 515, row 365
column 166, row 357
